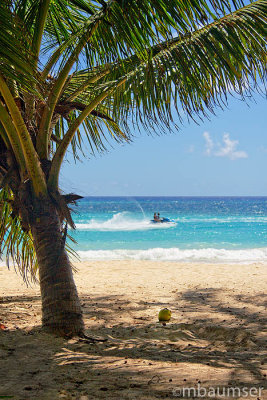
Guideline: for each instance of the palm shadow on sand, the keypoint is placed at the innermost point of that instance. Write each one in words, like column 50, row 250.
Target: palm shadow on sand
column 208, row 342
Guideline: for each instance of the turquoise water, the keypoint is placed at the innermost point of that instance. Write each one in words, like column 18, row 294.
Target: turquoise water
column 222, row 229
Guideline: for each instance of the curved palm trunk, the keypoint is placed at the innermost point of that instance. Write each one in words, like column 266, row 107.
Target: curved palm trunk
column 61, row 309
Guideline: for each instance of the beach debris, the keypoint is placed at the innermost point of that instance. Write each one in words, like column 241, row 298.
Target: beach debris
column 164, row 315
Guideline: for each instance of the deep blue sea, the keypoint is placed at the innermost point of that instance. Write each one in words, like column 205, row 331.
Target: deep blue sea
column 204, row 229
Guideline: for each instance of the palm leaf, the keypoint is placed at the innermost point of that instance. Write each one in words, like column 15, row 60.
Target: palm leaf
column 125, row 27
column 194, row 72
column 14, row 49
column 15, row 244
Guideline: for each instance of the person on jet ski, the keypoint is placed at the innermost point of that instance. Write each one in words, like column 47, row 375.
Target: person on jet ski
column 157, row 217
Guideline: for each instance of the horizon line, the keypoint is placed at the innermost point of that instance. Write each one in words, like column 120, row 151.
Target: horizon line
column 182, row 196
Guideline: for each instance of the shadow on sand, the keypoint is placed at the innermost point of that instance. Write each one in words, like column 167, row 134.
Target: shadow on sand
column 219, row 343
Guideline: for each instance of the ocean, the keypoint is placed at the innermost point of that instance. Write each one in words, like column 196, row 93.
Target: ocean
column 204, row 229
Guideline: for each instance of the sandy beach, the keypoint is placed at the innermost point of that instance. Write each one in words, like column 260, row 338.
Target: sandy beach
column 214, row 339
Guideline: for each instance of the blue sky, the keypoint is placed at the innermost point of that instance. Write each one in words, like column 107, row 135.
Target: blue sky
column 226, row 156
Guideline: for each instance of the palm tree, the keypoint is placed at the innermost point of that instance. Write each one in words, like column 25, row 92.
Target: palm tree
column 75, row 70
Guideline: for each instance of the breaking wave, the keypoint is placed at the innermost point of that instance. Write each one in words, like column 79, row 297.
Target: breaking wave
column 245, row 256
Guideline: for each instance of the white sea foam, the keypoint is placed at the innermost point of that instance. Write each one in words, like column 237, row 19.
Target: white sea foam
column 122, row 222
column 245, row 256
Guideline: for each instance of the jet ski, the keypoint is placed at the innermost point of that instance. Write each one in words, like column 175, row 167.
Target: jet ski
column 162, row 220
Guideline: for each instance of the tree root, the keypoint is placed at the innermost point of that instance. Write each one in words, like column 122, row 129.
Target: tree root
column 88, row 339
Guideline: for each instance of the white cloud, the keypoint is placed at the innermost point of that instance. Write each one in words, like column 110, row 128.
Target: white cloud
column 225, row 149
column 209, row 143
column 228, row 149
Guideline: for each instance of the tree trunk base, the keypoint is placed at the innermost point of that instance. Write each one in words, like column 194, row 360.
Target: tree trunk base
column 61, row 309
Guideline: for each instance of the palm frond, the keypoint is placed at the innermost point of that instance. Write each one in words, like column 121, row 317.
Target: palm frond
column 15, row 244
column 98, row 131
column 126, row 27
column 14, row 49
column 194, row 72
